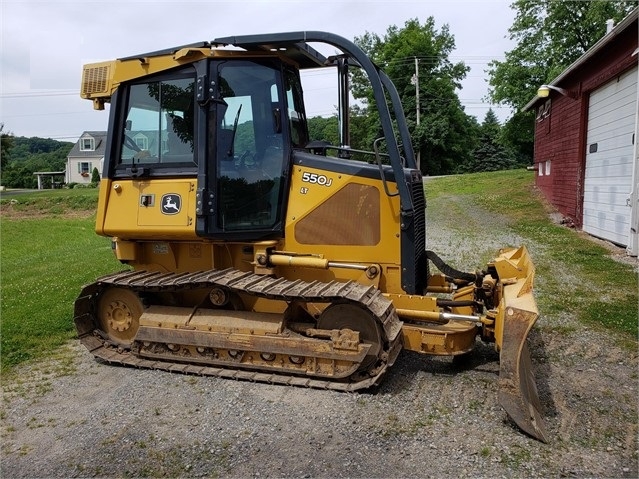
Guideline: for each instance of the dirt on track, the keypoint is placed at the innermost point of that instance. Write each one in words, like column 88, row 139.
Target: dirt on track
column 72, row 416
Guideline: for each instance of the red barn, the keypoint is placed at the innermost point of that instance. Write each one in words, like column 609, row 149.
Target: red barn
column 586, row 138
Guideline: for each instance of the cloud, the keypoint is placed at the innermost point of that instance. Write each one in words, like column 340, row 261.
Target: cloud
column 45, row 44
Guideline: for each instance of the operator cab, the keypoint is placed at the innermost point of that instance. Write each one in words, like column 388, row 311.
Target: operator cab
column 236, row 138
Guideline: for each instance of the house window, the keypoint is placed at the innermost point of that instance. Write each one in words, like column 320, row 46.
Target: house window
column 84, row 167
column 142, row 142
column 87, row 144
column 547, row 167
column 543, row 111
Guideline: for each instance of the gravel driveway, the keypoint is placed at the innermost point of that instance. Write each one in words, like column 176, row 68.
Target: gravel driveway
column 72, row 416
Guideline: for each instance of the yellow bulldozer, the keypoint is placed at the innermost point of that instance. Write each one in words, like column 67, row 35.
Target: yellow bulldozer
column 255, row 253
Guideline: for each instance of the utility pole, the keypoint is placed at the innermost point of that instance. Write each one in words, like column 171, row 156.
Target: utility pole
column 415, row 81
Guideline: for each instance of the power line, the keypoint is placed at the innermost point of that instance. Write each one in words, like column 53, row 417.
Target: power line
column 432, row 59
column 36, row 94
column 53, row 113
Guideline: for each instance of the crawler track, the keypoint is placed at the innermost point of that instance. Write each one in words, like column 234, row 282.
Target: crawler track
column 143, row 282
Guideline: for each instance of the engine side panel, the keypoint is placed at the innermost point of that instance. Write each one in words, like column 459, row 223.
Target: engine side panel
column 346, row 217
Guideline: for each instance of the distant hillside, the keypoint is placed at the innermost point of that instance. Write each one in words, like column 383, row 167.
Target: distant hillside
column 24, row 148
column 24, row 156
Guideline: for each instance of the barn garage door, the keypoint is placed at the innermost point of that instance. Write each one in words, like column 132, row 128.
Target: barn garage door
column 609, row 159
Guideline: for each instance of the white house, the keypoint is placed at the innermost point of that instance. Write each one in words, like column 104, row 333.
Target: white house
column 86, row 154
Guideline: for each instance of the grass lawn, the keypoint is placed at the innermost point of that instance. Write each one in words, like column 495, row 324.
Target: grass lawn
column 45, row 258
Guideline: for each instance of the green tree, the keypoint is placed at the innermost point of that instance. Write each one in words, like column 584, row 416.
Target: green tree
column 95, row 176
column 324, row 129
column 444, row 135
column 550, row 35
column 517, row 136
column 490, row 127
column 490, row 154
column 327, row 129
column 7, row 143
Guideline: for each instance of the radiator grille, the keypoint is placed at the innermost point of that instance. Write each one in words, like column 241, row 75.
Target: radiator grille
column 421, row 262
column 414, row 261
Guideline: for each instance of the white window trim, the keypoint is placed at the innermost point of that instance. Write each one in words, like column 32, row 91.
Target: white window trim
column 89, row 165
column 142, row 141
column 543, row 111
column 91, row 145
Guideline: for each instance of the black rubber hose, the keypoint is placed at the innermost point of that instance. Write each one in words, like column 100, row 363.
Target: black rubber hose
column 448, row 270
column 448, row 303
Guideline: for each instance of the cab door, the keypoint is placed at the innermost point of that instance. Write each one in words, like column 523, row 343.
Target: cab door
column 248, row 155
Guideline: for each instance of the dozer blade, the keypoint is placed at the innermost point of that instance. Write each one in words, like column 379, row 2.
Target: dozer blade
column 518, row 313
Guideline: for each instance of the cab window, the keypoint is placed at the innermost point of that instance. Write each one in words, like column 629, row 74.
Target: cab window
column 159, row 125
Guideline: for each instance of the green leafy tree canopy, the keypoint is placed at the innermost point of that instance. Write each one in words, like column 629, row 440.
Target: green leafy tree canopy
column 28, row 155
column 550, row 35
column 6, row 139
column 442, row 137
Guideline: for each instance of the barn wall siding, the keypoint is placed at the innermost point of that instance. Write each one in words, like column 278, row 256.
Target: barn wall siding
column 557, row 141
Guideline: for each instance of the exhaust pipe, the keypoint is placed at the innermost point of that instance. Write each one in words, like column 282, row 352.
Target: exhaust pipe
column 343, row 106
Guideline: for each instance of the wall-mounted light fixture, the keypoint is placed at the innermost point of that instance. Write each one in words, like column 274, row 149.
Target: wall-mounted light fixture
column 544, row 91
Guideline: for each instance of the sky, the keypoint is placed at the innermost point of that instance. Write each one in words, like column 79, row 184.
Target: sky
column 45, row 43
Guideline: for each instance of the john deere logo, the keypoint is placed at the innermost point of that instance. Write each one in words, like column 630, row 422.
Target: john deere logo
column 171, row 204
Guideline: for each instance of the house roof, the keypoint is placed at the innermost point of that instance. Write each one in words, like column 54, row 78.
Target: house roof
column 630, row 19
column 100, row 145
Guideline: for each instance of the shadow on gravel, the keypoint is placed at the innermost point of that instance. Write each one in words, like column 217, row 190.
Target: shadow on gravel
column 410, row 364
column 483, row 359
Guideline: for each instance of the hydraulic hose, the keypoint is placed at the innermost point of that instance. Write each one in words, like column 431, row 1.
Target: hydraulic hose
column 449, row 270
column 447, row 303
